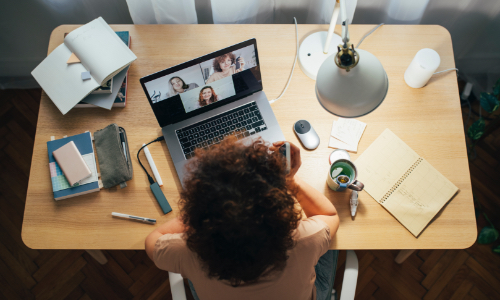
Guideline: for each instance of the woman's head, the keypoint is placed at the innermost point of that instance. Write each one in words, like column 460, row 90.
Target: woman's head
column 224, row 62
column 177, row 85
column 239, row 211
column 207, row 96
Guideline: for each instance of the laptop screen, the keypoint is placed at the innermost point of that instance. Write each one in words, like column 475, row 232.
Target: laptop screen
column 204, row 83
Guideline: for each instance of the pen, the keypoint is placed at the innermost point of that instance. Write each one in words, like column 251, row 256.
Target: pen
column 152, row 165
column 122, row 138
column 144, row 220
column 354, row 203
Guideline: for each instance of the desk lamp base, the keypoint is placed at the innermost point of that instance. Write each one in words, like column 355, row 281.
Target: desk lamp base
column 311, row 55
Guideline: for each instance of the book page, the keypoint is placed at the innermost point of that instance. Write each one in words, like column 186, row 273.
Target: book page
column 420, row 197
column 383, row 163
column 99, row 49
column 63, row 82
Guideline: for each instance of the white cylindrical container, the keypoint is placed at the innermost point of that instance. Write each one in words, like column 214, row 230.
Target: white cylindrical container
column 422, row 67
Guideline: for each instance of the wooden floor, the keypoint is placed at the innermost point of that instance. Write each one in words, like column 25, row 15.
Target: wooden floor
column 42, row 274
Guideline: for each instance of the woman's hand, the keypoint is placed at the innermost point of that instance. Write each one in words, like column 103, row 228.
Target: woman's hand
column 294, row 157
column 242, row 63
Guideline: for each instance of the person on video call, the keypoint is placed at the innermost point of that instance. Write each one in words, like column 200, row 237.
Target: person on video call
column 240, row 232
column 177, row 86
column 225, row 65
column 207, row 96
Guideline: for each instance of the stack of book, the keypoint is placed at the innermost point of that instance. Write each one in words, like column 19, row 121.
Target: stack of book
column 60, row 185
column 91, row 57
column 106, row 92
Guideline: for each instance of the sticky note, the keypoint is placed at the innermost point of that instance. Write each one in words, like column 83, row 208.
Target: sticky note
column 73, row 59
column 86, row 75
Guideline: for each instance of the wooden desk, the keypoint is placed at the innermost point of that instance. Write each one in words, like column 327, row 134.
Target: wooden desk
column 428, row 119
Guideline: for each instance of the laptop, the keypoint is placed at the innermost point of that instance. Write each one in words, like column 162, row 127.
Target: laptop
column 200, row 102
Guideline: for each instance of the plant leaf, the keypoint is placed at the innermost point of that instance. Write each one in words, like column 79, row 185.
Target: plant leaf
column 496, row 249
column 476, row 130
column 489, row 102
column 487, row 235
column 496, row 88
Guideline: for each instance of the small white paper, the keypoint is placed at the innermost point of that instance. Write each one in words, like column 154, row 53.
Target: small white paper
column 346, row 134
column 334, row 143
column 348, row 131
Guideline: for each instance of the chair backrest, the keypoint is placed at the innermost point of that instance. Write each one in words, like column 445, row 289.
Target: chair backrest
column 350, row 276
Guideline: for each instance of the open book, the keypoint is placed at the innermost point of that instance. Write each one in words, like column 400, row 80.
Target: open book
column 404, row 183
column 100, row 51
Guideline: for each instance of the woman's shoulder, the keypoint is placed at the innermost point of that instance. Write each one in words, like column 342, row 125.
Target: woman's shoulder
column 311, row 226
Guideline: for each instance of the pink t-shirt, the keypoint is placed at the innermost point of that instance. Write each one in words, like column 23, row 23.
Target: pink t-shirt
column 296, row 281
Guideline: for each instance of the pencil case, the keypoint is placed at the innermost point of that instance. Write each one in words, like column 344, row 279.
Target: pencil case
column 115, row 164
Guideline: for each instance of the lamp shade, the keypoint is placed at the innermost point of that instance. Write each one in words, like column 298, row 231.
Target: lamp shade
column 354, row 93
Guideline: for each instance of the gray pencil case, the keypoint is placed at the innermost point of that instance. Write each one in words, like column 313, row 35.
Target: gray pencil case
column 114, row 163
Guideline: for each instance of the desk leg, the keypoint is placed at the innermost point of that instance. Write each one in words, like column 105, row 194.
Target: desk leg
column 403, row 255
column 98, row 255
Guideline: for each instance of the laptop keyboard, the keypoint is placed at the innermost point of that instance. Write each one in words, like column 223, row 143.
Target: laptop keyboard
column 241, row 121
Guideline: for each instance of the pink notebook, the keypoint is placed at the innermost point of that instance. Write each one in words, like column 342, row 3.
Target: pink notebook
column 71, row 163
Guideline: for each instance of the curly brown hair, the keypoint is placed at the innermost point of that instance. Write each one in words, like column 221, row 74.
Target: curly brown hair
column 219, row 59
column 202, row 102
column 239, row 211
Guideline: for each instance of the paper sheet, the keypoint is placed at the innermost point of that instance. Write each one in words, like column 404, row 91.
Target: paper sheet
column 346, row 134
column 99, row 49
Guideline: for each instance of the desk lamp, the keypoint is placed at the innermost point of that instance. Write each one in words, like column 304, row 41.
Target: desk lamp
column 353, row 82
column 316, row 47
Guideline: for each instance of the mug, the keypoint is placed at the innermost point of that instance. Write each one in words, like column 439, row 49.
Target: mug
column 342, row 174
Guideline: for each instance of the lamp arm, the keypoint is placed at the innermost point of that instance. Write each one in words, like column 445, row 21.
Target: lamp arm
column 343, row 18
column 333, row 22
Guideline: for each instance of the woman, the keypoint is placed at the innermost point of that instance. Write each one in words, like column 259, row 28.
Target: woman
column 207, row 96
column 240, row 234
column 177, row 86
column 225, row 65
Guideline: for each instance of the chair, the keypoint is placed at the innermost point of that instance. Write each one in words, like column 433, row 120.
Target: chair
column 348, row 285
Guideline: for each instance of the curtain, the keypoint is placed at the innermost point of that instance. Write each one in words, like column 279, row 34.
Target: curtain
column 162, row 11
column 473, row 24
column 27, row 24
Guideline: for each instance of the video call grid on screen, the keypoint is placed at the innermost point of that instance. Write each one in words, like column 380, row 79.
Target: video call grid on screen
column 204, row 83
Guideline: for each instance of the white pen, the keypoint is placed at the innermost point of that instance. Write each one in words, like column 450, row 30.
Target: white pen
column 152, row 165
column 354, row 203
column 145, row 220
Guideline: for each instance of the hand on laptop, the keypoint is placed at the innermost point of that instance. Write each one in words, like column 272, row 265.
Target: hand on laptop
column 242, row 63
column 294, row 157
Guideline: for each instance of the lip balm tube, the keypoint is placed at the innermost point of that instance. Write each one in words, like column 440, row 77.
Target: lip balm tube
column 152, row 165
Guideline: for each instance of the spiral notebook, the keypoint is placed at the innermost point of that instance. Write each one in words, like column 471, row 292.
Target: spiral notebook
column 404, row 183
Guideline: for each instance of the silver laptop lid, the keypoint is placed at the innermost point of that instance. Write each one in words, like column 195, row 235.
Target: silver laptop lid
column 205, row 83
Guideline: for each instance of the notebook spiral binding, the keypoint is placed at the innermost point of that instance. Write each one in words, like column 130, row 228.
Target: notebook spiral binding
column 400, row 180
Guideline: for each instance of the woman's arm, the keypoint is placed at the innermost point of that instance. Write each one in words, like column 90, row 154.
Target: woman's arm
column 172, row 226
column 313, row 202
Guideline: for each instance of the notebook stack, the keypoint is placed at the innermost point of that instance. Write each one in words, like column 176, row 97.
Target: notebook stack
column 60, row 185
column 94, row 100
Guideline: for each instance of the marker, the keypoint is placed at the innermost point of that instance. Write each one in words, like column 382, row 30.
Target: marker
column 144, row 220
column 152, row 165
column 354, row 203
column 122, row 138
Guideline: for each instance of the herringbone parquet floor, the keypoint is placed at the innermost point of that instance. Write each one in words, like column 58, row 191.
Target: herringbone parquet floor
column 45, row 274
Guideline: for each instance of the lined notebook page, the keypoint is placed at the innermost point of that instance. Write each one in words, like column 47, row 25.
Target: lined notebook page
column 384, row 162
column 420, row 197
